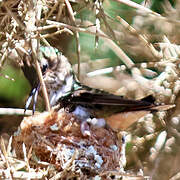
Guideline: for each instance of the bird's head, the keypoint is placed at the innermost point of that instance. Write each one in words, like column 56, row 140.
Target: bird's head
column 48, row 57
column 51, row 58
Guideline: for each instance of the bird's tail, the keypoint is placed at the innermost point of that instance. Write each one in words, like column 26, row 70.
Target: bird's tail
column 162, row 107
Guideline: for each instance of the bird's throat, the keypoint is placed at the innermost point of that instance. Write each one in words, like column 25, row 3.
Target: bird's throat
column 62, row 91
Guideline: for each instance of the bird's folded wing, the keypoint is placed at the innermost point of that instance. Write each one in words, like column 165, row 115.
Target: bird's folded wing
column 110, row 99
column 147, row 103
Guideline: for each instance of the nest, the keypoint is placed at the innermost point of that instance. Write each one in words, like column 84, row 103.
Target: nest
column 56, row 138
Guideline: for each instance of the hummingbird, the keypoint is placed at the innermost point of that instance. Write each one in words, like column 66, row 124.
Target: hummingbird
column 91, row 105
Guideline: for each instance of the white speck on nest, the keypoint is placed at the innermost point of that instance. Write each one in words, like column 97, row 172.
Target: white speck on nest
column 83, row 163
column 72, row 119
column 82, row 143
column 114, row 147
column 97, row 178
column 91, row 150
column 98, row 122
column 67, row 153
column 18, row 132
column 97, row 158
column 49, row 148
column 99, row 161
column 54, row 127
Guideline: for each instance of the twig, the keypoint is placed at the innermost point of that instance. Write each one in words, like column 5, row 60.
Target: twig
column 61, row 4
column 111, row 32
column 43, row 85
column 23, row 174
column 143, row 38
column 78, row 52
column 25, row 157
column 9, row 147
column 52, row 9
column 137, row 6
column 70, row 11
column 148, row 11
column 4, row 56
column 44, row 40
column 54, row 24
column 68, row 165
column 175, row 177
column 46, row 98
column 128, row 175
column 21, row 25
column 6, row 44
column 57, row 32
column 172, row 51
column 15, row 111
column 98, row 4
column 100, row 72
column 5, row 156
column 120, row 53
column 78, row 48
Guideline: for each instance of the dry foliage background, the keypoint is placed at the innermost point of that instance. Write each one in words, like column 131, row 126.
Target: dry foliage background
column 120, row 46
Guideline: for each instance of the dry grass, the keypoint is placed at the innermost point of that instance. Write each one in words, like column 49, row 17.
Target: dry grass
column 154, row 141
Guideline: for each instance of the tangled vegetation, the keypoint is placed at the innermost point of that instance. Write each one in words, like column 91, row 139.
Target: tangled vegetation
column 124, row 47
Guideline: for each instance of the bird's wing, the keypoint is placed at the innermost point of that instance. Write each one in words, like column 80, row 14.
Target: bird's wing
column 88, row 98
column 84, row 97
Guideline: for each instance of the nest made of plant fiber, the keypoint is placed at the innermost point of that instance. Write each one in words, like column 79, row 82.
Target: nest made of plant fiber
column 56, row 138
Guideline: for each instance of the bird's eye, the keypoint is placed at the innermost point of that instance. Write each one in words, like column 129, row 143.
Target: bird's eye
column 123, row 139
column 44, row 68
